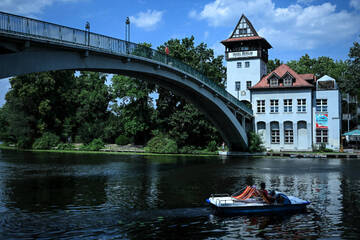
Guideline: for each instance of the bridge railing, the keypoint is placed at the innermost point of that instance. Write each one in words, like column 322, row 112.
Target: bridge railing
column 28, row 27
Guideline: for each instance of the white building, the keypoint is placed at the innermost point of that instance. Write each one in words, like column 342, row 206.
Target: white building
column 292, row 111
column 295, row 112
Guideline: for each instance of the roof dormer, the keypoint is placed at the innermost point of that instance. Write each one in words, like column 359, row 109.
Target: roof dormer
column 274, row 80
column 288, row 79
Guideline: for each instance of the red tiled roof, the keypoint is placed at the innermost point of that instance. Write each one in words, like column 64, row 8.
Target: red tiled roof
column 308, row 76
column 252, row 38
column 242, row 39
column 280, row 71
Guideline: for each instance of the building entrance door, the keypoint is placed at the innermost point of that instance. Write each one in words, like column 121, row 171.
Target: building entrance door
column 302, row 135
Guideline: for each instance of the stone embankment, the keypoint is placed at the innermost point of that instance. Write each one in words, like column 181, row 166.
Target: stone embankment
column 125, row 148
column 294, row 154
column 314, row 155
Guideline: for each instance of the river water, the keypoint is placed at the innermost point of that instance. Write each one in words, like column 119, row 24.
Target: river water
column 76, row 196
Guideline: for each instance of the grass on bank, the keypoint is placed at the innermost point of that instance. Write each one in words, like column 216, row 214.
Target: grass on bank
column 79, row 151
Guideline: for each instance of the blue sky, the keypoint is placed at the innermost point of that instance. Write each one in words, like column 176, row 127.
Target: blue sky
column 293, row 28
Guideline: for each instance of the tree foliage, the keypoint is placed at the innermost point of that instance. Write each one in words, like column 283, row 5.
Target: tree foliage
column 319, row 67
column 351, row 77
column 58, row 102
column 161, row 144
column 134, row 107
column 273, row 64
column 174, row 114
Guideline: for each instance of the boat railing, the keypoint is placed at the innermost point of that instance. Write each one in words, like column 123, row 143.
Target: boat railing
column 220, row 195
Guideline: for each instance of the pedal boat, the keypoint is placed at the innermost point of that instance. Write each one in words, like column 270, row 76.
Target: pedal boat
column 226, row 204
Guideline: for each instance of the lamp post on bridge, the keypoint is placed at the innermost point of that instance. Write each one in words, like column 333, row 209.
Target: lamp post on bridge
column 127, row 34
column 87, row 36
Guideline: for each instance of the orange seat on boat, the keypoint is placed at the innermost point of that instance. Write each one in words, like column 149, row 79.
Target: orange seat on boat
column 246, row 194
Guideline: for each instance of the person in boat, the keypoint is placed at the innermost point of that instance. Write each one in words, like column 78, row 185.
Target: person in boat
column 265, row 195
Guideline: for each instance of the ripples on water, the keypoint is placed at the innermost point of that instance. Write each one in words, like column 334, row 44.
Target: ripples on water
column 61, row 196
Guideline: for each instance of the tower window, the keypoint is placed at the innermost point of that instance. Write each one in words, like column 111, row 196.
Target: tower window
column 248, row 84
column 237, row 86
column 238, row 64
column 242, row 31
column 247, row 64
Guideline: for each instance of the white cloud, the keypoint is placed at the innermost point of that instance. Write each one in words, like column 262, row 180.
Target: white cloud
column 295, row 26
column 27, row 7
column 355, row 4
column 147, row 20
column 223, row 12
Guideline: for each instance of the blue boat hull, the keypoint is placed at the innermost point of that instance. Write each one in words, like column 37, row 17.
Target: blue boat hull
column 276, row 209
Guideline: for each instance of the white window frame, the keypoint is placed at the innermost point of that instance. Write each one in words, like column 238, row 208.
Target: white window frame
column 247, row 64
column 301, row 105
column 274, row 105
column 248, row 85
column 289, row 136
column 288, row 81
column 322, row 135
column 275, row 136
column 239, row 64
column 288, row 105
column 237, row 84
column 321, row 105
column 260, row 106
column 274, row 82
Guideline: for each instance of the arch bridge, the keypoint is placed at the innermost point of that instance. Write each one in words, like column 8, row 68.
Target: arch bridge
column 28, row 46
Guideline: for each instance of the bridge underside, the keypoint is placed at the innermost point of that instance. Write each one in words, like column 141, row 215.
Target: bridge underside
column 20, row 56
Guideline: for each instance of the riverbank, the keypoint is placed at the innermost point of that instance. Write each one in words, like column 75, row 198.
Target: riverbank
column 314, row 155
column 132, row 150
column 296, row 154
column 120, row 151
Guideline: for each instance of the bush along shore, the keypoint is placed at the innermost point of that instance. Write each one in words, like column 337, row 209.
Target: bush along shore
column 160, row 144
column 97, row 146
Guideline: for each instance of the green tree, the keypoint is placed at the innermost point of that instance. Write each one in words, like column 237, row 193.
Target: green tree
column 36, row 104
column 175, row 115
column 273, row 64
column 134, row 106
column 55, row 102
column 93, row 97
column 304, row 65
column 320, row 67
column 351, row 76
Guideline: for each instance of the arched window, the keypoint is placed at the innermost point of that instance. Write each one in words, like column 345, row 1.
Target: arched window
column 275, row 132
column 302, row 141
column 261, row 130
column 288, row 132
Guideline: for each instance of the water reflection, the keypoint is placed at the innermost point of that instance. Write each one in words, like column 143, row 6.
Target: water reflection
column 105, row 196
column 57, row 192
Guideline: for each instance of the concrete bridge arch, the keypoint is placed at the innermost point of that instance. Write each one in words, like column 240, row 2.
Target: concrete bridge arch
column 23, row 53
